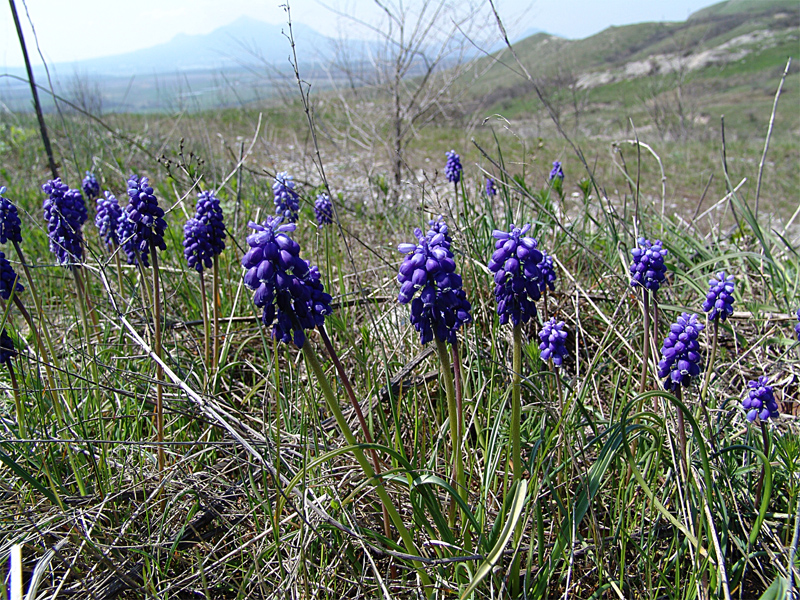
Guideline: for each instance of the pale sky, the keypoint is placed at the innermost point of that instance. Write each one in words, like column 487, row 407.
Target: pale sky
column 79, row 29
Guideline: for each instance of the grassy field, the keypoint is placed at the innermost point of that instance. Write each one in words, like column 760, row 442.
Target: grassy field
column 501, row 475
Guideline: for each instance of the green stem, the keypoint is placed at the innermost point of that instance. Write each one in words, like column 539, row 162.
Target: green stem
column 119, row 272
column 333, row 406
column 706, row 380
column 20, row 407
column 765, row 439
column 452, row 410
column 646, row 343
column 516, row 403
column 215, row 300
column 357, row 408
column 159, row 370
column 206, row 326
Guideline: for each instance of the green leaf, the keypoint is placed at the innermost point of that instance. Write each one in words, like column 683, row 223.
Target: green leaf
column 777, row 591
column 514, row 515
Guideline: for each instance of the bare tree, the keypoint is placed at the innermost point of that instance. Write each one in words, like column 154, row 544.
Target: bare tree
column 415, row 71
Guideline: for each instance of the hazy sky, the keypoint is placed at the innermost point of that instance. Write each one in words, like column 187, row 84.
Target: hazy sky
column 78, row 29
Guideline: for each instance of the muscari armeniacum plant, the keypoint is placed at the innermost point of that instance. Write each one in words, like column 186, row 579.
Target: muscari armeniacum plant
column 141, row 231
column 90, row 186
column 680, row 364
column 453, row 169
column 648, row 272
column 759, row 404
column 719, row 306
column 287, row 201
column 107, row 217
column 292, row 299
column 439, row 307
column 323, row 209
column 556, row 177
column 203, row 242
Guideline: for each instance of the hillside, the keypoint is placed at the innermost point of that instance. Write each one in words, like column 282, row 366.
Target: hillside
column 727, row 57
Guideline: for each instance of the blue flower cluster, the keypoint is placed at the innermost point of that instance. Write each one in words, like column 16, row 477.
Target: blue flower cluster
column 648, row 268
column 323, row 208
column 107, row 216
column 142, row 224
column 491, row 187
column 65, row 213
column 556, row 172
column 7, row 350
column 553, row 339
column 719, row 300
column 90, row 186
column 429, row 268
column 287, row 289
column 680, row 354
column 7, row 278
column 547, row 272
column 453, row 169
column 287, row 202
column 204, row 234
column 760, row 400
column 10, row 225
column 517, row 276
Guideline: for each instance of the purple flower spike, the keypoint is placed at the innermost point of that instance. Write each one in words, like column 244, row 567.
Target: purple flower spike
column 65, row 213
column 7, row 278
column 517, row 276
column 7, row 349
column 557, row 172
column 204, row 234
column 10, row 225
column 547, row 272
column 719, row 301
column 287, row 289
column 107, row 217
column 553, row 338
column 323, row 208
column 90, row 186
column 287, row 202
column 760, row 400
column 680, row 354
column 142, row 224
column 491, row 188
column 647, row 267
column 452, row 170
column 429, row 268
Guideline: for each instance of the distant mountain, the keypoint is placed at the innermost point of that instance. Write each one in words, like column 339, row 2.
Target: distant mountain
column 243, row 42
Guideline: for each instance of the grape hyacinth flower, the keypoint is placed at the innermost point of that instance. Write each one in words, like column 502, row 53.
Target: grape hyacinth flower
column 7, row 278
column 287, row 202
column 142, row 224
column 719, row 300
column 428, row 268
column 556, row 172
column 204, row 234
column 760, row 400
column 453, row 169
column 515, row 264
column 491, row 188
column 65, row 213
column 10, row 225
column 90, row 186
column 680, row 354
column 323, row 208
column 438, row 226
column 547, row 272
column 287, row 289
column 7, row 350
column 107, row 217
column 196, row 245
column 647, row 268
column 553, row 337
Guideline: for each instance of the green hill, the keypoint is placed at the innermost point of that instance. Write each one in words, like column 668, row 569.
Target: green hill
column 674, row 77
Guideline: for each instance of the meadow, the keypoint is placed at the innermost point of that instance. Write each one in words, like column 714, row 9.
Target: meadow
column 236, row 431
